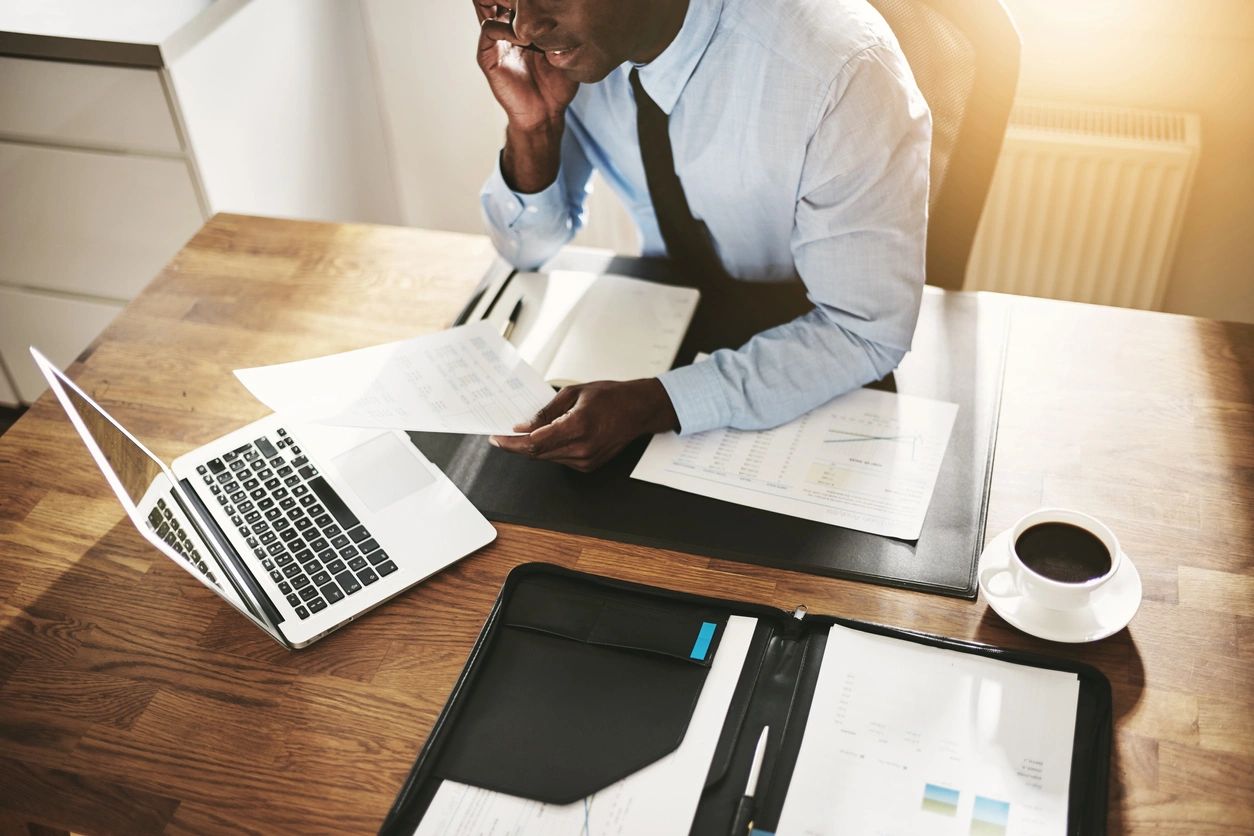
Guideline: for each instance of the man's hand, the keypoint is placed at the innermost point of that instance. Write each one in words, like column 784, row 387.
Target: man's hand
column 585, row 426
column 534, row 95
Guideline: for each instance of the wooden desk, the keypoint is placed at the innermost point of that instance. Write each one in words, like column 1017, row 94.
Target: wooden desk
column 133, row 701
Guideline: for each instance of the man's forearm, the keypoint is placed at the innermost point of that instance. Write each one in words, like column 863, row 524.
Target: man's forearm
column 532, row 156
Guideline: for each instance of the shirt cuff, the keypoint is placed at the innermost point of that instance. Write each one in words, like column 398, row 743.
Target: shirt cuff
column 698, row 394
column 512, row 210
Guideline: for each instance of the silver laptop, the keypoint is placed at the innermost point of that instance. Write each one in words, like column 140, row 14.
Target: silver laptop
column 300, row 528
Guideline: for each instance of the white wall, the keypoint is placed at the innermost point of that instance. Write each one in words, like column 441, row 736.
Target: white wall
column 444, row 127
column 1196, row 56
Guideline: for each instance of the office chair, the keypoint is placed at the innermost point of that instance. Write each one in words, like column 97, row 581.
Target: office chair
column 965, row 59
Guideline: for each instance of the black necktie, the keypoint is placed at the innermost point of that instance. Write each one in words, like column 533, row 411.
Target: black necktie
column 687, row 241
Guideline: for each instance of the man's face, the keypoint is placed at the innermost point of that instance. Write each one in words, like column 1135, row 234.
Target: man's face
column 585, row 39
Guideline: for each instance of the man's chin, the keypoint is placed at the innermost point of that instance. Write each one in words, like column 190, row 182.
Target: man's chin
column 584, row 70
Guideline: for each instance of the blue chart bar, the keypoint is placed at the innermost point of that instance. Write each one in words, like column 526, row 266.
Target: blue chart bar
column 989, row 817
column 940, row 800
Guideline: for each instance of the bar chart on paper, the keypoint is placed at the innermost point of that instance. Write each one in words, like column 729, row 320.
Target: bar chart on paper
column 867, row 460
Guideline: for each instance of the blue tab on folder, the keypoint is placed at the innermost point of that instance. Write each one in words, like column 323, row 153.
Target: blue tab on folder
column 702, row 644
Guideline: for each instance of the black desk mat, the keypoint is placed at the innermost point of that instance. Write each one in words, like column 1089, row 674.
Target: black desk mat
column 957, row 356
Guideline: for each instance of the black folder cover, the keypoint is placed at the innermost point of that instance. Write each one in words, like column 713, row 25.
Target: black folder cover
column 957, row 357
column 577, row 681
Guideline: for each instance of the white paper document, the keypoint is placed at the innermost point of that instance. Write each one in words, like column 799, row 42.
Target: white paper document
column 463, row 380
column 660, row 799
column 867, row 460
column 574, row 327
column 906, row 739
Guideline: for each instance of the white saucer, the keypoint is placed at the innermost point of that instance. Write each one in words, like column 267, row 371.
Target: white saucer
column 1109, row 609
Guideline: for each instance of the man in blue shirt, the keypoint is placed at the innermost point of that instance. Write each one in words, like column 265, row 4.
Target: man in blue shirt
column 763, row 140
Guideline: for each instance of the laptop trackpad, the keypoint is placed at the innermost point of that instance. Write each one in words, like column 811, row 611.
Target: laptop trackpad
column 382, row 470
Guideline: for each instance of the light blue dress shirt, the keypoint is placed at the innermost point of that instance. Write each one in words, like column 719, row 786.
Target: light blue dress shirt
column 803, row 144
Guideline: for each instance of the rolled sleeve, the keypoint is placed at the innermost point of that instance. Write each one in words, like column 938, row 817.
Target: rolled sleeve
column 528, row 229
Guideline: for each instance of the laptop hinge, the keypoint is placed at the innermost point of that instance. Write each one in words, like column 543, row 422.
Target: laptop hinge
column 204, row 520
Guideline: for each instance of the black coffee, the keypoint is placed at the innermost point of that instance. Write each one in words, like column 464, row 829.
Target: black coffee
column 1063, row 552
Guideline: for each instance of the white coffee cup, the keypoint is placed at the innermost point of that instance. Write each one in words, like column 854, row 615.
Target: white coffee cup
column 1050, row 592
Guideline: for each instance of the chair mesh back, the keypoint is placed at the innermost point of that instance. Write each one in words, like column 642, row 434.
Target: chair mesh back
column 943, row 61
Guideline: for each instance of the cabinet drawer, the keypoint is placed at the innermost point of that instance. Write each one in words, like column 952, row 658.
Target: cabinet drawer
column 92, row 223
column 59, row 327
column 85, row 104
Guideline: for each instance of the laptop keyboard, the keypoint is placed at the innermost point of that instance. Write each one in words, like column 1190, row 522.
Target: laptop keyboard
column 313, row 547
column 167, row 526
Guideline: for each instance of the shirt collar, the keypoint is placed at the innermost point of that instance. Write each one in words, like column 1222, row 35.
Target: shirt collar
column 664, row 77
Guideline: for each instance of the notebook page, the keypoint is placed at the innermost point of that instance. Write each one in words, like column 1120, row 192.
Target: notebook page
column 622, row 329
column 907, row 739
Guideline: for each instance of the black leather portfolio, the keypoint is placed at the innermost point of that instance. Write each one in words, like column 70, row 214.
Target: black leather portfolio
column 957, row 356
column 577, row 682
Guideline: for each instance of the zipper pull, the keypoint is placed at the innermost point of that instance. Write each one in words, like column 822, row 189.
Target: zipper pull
column 800, row 612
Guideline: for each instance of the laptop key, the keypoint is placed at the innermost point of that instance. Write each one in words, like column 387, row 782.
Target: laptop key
column 303, row 523
column 252, row 516
column 300, row 461
column 308, row 471
column 306, row 499
column 285, row 588
column 252, row 484
column 266, row 448
column 332, row 500
column 276, row 576
column 302, row 613
column 369, row 546
column 313, row 566
column 322, row 577
column 317, row 605
column 377, row 557
column 308, row 592
column 266, row 504
column 279, row 493
column 216, row 465
column 292, row 571
column 323, row 520
column 357, row 563
column 358, row 534
column 285, row 470
column 284, row 559
column 209, row 479
column 385, row 568
column 287, row 503
column 332, row 593
column 267, row 563
column 340, row 541
column 335, row 567
column 300, row 582
column 293, row 599
column 301, row 491
column 348, row 582
column 367, row 576
column 276, row 549
column 305, row 556
column 348, row 551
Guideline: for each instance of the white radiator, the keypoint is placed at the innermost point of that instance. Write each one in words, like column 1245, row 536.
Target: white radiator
column 1086, row 204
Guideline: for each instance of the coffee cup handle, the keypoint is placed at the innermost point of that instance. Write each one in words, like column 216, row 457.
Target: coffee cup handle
column 987, row 573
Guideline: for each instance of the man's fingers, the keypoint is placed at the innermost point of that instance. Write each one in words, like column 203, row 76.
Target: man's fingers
column 497, row 30
column 560, row 405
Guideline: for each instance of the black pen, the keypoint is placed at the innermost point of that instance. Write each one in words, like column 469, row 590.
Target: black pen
column 743, row 820
column 513, row 319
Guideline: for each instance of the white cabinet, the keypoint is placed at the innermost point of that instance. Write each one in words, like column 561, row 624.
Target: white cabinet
column 255, row 106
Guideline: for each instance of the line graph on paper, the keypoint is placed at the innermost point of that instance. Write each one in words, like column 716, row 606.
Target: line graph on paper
column 848, row 437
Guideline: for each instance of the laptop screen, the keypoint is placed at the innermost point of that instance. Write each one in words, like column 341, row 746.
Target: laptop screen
column 132, row 465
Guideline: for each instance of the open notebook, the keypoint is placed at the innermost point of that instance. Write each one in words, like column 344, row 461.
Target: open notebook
column 574, row 327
